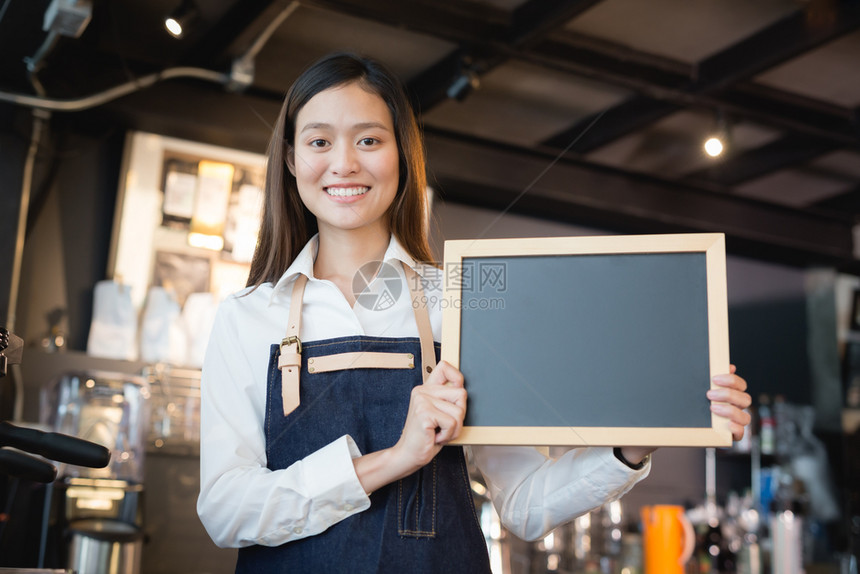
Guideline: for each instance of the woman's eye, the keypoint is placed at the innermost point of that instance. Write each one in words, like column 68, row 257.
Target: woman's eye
column 368, row 141
column 317, row 143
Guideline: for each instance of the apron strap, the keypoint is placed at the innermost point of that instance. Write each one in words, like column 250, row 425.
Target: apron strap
column 422, row 319
column 290, row 361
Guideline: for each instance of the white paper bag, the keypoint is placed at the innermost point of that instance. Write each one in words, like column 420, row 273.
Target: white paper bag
column 114, row 326
column 160, row 312
column 198, row 315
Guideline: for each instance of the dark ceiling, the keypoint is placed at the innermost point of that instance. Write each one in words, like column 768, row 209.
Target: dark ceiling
column 591, row 112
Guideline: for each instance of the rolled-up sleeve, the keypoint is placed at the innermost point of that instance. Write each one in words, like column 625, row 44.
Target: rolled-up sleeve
column 241, row 501
column 534, row 494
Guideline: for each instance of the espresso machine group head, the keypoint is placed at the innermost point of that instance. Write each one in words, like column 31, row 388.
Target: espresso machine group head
column 50, row 445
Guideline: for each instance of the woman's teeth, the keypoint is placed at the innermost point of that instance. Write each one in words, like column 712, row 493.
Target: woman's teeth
column 346, row 191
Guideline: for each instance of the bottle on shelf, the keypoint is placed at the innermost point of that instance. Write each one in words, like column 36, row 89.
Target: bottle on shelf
column 745, row 543
column 766, row 425
column 786, row 527
column 785, row 427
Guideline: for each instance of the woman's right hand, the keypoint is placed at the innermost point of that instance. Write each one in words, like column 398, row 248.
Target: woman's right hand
column 435, row 417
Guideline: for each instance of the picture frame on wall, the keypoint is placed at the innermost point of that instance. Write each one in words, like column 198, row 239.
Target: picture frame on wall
column 159, row 189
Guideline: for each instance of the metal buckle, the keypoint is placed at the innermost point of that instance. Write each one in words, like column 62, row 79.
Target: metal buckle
column 286, row 341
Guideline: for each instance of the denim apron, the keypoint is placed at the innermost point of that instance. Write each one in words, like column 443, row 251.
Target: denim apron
column 424, row 523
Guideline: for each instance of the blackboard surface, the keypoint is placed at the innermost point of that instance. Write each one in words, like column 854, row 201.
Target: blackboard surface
column 632, row 332
column 588, row 340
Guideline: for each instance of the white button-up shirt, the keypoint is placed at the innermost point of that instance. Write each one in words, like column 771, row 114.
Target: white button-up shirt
column 242, row 502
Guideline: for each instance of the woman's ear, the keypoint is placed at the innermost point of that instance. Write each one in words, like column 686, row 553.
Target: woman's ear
column 290, row 159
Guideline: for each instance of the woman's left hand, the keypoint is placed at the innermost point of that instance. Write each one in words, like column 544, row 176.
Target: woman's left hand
column 729, row 399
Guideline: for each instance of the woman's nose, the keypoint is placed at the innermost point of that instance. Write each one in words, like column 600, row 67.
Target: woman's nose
column 344, row 161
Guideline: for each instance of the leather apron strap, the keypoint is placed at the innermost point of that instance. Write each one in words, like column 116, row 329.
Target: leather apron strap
column 422, row 319
column 290, row 361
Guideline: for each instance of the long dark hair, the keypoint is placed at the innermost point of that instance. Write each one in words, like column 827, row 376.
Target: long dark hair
column 287, row 224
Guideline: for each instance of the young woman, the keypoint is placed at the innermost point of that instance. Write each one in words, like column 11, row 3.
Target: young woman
column 351, row 473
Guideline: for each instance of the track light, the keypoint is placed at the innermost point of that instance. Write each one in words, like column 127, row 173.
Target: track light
column 177, row 22
column 463, row 85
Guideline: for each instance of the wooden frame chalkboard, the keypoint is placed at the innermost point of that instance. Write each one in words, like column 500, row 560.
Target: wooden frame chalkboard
column 608, row 340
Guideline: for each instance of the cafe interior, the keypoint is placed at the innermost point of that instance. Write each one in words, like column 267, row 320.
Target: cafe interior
column 133, row 141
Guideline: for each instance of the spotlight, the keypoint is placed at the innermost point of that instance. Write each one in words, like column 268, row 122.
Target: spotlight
column 178, row 21
column 714, row 146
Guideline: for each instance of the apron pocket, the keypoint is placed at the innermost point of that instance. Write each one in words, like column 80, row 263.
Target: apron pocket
column 416, row 503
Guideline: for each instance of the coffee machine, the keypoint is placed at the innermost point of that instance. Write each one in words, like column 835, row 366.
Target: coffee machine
column 97, row 513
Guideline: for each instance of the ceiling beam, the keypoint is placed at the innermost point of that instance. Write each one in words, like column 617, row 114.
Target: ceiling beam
column 791, row 112
column 757, row 103
column 231, row 26
column 477, row 30
column 790, row 150
column 804, row 30
column 486, row 36
column 601, row 128
column 848, row 202
column 771, row 46
column 535, row 18
column 508, row 178
column 489, row 36
column 463, row 22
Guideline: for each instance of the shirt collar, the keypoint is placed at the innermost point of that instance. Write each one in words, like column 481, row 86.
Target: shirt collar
column 396, row 252
column 304, row 263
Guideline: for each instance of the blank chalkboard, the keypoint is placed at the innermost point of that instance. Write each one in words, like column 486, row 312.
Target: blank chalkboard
column 588, row 340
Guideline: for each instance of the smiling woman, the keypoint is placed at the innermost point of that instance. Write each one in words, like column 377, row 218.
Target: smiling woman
column 326, row 425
